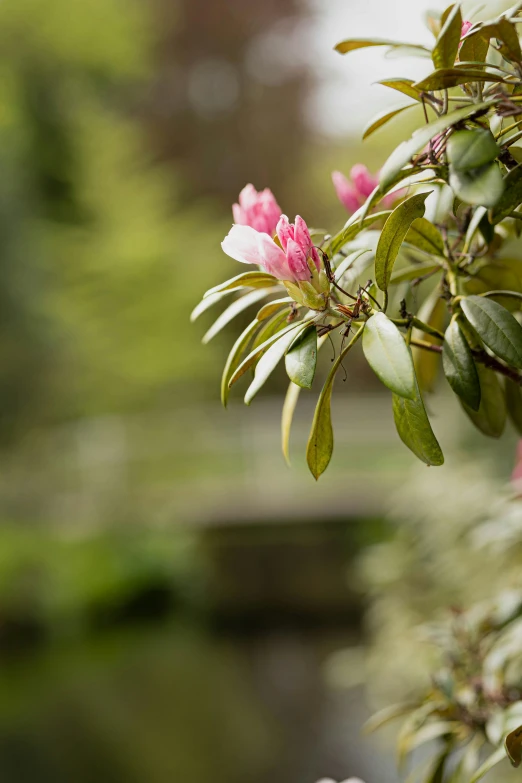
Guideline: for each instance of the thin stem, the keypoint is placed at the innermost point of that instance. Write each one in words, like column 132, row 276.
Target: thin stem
column 426, row 346
column 494, row 364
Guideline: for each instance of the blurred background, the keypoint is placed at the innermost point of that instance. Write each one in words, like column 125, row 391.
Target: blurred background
column 175, row 603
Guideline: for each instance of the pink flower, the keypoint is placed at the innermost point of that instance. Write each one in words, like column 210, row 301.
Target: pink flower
column 288, row 262
column 352, row 194
column 257, row 209
column 466, row 27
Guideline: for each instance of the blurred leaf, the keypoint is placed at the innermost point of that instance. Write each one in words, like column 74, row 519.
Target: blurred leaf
column 382, row 118
column 427, row 363
column 289, row 405
column 480, row 187
column 498, row 755
column 269, row 361
column 272, row 307
column 301, row 358
column 234, row 310
column 459, row 366
column 470, row 149
column 320, row 443
column 490, row 418
column 254, row 355
column 402, row 85
column 413, row 272
column 478, row 215
column 355, row 264
column 514, row 403
column 387, row 714
column 446, row 46
column 270, row 327
column 415, row 430
column 513, row 745
column 511, row 197
column 446, row 78
column 425, row 236
column 388, row 355
column 393, row 234
column 496, row 327
column 506, row 32
column 254, row 279
column 351, row 44
column 407, row 149
column 234, row 359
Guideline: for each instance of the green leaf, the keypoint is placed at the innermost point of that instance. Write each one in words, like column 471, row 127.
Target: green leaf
column 511, row 197
column 506, row 32
column 393, row 234
column 207, row 303
column 234, row 359
column 382, row 118
column 425, row 236
column 470, row 149
column 496, row 327
column 459, row 366
column 447, row 43
column 474, row 48
column 498, row 755
column 234, row 310
column 490, row 418
column 254, row 355
column 269, row 361
column 415, row 430
column 254, row 279
column 352, row 228
column 513, row 745
column 405, row 151
column 320, row 443
column 289, row 405
column 355, row 263
column 427, row 363
column 446, row 78
column 351, row 44
column 514, row 403
column 402, row 85
column 478, row 215
column 387, row 714
column 272, row 307
column 301, row 358
column 388, row 355
column 480, row 187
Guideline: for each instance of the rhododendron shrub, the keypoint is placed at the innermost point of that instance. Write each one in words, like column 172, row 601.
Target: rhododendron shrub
column 426, row 273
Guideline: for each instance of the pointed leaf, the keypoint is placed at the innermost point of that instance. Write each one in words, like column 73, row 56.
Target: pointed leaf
column 352, row 228
column 289, row 405
column 234, row 359
column 234, row 310
column 425, row 236
column 415, row 430
column 514, row 403
column 320, row 443
column 301, row 358
column 270, row 327
column 272, row 307
column 405, row 151
column 254, row 279
column 498, row 755
column 388, row 355
column 351, row 44
column 459, row 366
column 269, row 361
column 402, row 85
column 382, row 118
column 490, row 418
column 496, row 327
column 470, row 149
column 474, row 48
column 445, row 78
column 207, row 303
column 393, row 234
column 447, row 44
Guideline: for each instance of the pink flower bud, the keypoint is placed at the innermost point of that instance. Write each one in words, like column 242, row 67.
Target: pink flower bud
column 466, row 27
column 258, row 210
column 297, row 261
column 284, row 231
column 346, row 192
column 363, row 181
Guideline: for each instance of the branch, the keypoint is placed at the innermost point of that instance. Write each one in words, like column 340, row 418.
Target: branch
column 427, row 346
column 494, row 364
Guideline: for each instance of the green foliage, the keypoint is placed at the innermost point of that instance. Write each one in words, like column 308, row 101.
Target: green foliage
column 455, row 188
